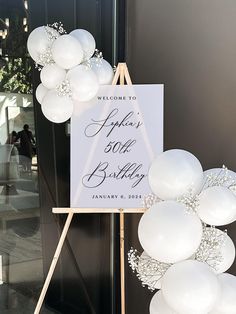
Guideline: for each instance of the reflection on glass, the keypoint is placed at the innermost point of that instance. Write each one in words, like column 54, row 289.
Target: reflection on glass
column 21, row 267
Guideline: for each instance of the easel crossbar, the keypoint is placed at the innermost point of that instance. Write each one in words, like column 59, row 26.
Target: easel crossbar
column 67, row 210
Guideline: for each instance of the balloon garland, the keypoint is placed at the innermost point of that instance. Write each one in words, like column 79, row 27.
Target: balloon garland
column 185, row 255
column 71, row 69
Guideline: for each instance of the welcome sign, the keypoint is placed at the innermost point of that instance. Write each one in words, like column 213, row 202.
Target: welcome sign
column 113, row 142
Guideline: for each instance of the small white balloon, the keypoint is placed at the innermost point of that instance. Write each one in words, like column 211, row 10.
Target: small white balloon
column 67, row 52
column 83, row 82
column 52, row 75
column 56, row 108
column 41, row 91
column 217, row 206
column 190, row 287
column 103, row 70
column 38, row 41
column 226, row 303
column 226, row 251
column 173, row 173
column 87, row 42
column 168, row 233
column 158, row 305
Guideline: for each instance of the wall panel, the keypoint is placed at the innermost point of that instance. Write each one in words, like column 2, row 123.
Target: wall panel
column 190, row 46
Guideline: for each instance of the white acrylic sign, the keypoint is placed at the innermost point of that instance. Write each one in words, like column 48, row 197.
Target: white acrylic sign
column 113, row 142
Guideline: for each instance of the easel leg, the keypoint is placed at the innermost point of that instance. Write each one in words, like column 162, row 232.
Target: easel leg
column 122, row 262
column 54, row 263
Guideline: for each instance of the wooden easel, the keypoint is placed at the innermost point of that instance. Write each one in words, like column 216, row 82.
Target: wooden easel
column 122, row 73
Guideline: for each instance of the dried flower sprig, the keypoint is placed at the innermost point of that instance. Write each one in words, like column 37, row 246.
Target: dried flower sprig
column 64, row 89
column 148, row 270
column 149, row 200
column 209, row 250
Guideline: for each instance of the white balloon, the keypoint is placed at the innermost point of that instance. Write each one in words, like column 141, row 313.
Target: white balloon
column 103, row 70
column 158, row 305
column 83, row 83
column 40, row 92
column 86, row 40
column 52, row 75
column 67, row 52
column 228, row 256
column 173, row 173
column 226, row 251
column 168, row 233
column 190, row 287
column 56, row 108
column 38, row 41
column 217, row 206
column 226, row 303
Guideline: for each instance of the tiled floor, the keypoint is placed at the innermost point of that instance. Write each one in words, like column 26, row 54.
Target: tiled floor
column 21, row 265
column 13, row 302
column 20, row 249
column 22, row 269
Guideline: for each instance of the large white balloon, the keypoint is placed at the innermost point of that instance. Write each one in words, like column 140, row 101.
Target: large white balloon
column 217, row 206
column 86, row 40
column 158, row 305
column 52, row 75
column 226, row 303
column 56, row 108
column 173, row 173
column 226, row 251
column 103, row 70
column 190, row 287
column 83, row 82
column 168, row 233
column 40, row 92
column 67, row 52
column 38, row 41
